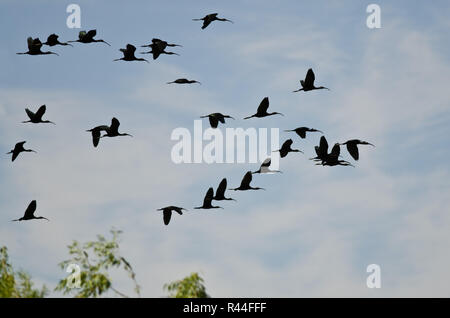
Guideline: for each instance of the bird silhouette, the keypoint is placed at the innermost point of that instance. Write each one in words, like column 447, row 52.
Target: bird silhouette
column 321, row 150
column 184, row 81
column 220, row 192
column 329, row 159
column 18, row 148
column 113, row 130
column 128, row 54
column 29, row 213
column 301, row 131
column 352, row 147
column 88, row 37
column 167, row 212
column 52, row 40
column 264, row 168
column 215, row 118
column 36, row 118
column 96, row 133
column 158, row 48
column 308, row 83
column 34, row 47
column 245, row 183
column 207, row 201
column 162, row 44
column 262, row 110
column 207, row 19
column 286, row 148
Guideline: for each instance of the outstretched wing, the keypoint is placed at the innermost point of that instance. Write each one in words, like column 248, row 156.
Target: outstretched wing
column 352, row 149
column 335, row 151
column 323, row 145
column 29, row 212
column 208, row 197
column 29, row 113
column 266, row 163
column 167, row 214
column 310, row 78
column 220, row 192
column 263, row 106
column 115, row 124
column 206, row 22
column 91, row 33
column 213, row 121
column 301, row 132
column 246, row 180
column 41, row 111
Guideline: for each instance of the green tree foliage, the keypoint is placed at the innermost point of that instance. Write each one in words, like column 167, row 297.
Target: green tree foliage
column 94, row 259
column 16, row 284
column 189, row 287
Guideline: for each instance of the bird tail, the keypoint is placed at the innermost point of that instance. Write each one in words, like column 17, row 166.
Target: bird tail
column 298, row 90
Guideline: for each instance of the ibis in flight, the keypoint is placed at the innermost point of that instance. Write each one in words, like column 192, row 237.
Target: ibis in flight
column 207, row 201
column 264, row 169
column 18, row 148
column 167, row 212
column 220, row 192
column 88, row 37
column 245, row 183
column 352, row 147
column 215, row 118
column 207, row 19
column 301, row 131
column 52, row 40
column 34, row 47
column 184, row 81
column 29, row 213
column 262, row 110
column 308, row 82
column 36, row 117
column 128, row 54
column 286, row 148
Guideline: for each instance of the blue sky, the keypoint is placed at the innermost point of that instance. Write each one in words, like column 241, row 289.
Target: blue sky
column 315, row 229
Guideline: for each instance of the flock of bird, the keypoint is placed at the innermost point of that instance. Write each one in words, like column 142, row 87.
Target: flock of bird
column 158, row 47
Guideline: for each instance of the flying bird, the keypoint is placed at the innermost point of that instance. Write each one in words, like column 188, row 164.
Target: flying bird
column 34, row 47
column 352, row 147
column 264, row 169
column 128, row 54
column 29, row 213
column 220, row 192
column 207, row 201
column 262, row 110
column 157, row 49
column 36, row 118
column 167, row 212
column 162, row 44
column 245, row 183
column 215, row 118
column 286, row 148
column 113, row 130
column 88, row 37
column 207, row 19
column 301, row 131
column 52, row 40
column 184, row 81
column 321, row 150
column 96, row 133
column 329, row 159
column 18, row 148
column 308, row 83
